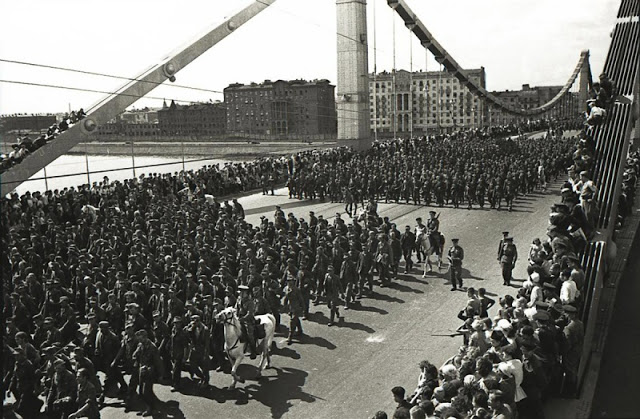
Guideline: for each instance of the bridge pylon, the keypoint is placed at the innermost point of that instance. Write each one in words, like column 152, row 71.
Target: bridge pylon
column 352, row 90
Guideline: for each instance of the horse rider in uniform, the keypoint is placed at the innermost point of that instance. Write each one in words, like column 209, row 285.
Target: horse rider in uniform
column 455, row 256
column 246, row 313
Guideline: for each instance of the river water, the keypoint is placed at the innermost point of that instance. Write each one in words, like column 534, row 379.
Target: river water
column 71, row 170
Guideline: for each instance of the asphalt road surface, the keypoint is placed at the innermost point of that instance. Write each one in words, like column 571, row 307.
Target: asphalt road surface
column 348, row 370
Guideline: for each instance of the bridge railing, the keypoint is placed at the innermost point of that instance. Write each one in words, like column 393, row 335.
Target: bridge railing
column 594, row 260
column 612, row 140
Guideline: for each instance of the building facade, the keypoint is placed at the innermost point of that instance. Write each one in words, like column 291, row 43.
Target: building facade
column 531, row 97
column 295, row 107
column 423, row 102
column 26, row 123
column 200, row 119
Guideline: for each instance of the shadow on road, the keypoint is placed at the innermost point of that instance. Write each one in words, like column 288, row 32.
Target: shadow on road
column 403, row 288
column 170, row 410
column 277, row 392
column 370, row 309
column 322, row 319
column 409, row 278
column 383, row 297
column 466, row 274
column 317, row 341
column 286, row 352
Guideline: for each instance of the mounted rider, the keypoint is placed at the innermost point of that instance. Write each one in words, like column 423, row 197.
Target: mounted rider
column 433, row 230
column 246, row 314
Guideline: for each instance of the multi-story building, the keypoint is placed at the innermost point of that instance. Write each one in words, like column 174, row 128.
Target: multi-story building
column 139, row 116
column 295, row 107
column 200, row 119
column 132, row 123
column 26, row 123
column 532, row 97
column 423, row 102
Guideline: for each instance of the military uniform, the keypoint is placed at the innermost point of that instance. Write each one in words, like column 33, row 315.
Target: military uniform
column 294, row 304
column 508, row 260
column 199, row 344
column 333, row 289
column 23, row 382
column 455, row 255
column 87, row 401
column 246, row 313
column 61, row 399
column 178, row 344
column 149, row 363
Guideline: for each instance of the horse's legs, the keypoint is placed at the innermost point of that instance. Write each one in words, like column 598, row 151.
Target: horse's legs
column 234, row 374
column 263, row 356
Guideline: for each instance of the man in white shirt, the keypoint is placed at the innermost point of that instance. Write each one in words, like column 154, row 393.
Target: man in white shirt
column 569, row 290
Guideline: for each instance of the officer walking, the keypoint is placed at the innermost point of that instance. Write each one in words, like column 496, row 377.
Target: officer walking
column 508, row 260
column 455, row 256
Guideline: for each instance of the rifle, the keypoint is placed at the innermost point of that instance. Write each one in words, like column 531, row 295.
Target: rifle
column 451, row 335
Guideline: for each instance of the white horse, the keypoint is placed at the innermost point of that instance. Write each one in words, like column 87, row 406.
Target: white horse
column 428, row 246
column 235, row 349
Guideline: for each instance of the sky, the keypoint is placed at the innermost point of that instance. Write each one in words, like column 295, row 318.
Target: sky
column 517, row 41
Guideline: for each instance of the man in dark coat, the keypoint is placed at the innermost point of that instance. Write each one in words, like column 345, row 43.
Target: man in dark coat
column 294, row 304
column 407, row 242
column 22, row 386
column 178, row 344
column 455, row 256
column 333, row 288
column 199, row 345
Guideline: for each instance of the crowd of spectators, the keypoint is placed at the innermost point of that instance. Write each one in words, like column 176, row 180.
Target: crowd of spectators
column 25, row 145
column 628, row 193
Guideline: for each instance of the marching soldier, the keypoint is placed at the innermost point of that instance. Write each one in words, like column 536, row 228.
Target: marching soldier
column 149, row 364
column 294, row 304
column 178, row 344
column 61, row 398
column 333, row 288
column 199, row 349
column 23, row 382
column 407, row 242
column 161, row 334
column 455, row 256
column 107, row 347
column 87, row 403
